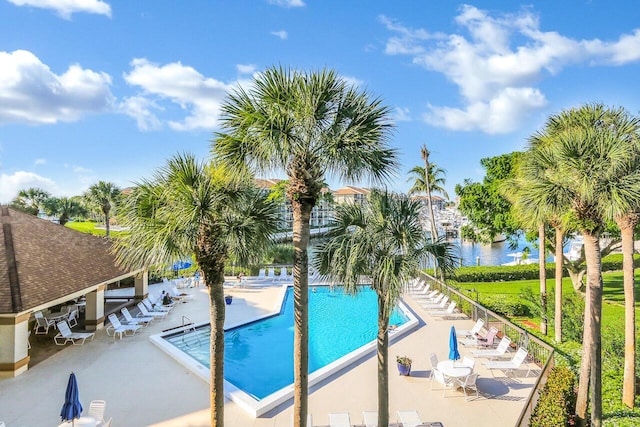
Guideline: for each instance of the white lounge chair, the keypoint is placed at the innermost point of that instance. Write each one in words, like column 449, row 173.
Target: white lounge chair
column 426, row 294
column 42, row 323
column 409, row 418
column 468, row 383
column 511, row 365
column 262, row 274
column 471, row 333
column 443, row 313
column 441, row 305
column 156, row 307
column 146, row 313
column 434, row 300
column 96, row 410
column 118, row 328
column 486, row 341
column 65, row 335
column 272, row 273
column 130, row 320
column 500, row 351
column 340, row 419
column 180, row 296
column 370, row 418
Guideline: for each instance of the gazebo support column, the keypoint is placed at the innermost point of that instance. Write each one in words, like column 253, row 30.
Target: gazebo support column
column 141, row 281
column 14, row 352
column 94, row 314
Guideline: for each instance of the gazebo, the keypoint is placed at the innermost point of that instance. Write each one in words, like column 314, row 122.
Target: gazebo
column 43, row 264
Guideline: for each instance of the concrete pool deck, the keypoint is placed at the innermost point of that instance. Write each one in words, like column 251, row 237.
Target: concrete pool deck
column 144, row 387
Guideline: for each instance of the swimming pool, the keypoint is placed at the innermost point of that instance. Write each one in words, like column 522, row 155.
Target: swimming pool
column 259, row 355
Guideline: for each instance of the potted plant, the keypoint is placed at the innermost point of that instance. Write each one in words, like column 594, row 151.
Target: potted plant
column 228, row 299
column 404, row 365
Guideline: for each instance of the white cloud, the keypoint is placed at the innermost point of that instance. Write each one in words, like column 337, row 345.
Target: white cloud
column 287, row 3
column 496, row 61
column 352, row 81
column 65, row 8
column 401, row 114
column 246, row 68
column 199, row 96
column 31, row 93
column 38, row 162
column 10, row 185
column 282, row 34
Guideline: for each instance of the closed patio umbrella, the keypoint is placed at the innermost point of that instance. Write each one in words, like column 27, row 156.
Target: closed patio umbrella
column 454, row 354
column 72, row 407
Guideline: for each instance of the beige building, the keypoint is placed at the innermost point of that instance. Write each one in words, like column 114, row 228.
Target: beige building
column 44, row 265
column 350, row 194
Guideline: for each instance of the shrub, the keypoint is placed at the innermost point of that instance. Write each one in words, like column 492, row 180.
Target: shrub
column 557, row 401
column 507, row 306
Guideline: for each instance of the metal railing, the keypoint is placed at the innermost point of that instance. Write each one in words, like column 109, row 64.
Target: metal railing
column 539, row 352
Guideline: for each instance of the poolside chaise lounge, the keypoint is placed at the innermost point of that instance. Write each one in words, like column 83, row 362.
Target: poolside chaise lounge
column 409, row 418
column 339, row 419
column 65, row 335
column 471, row 333
column 129, row 319
column 442, row 304
column 118, row 328
column 427, row 295
column 156, row 307
column 511, row 365
column 500, row 351
column 96, row 410
column 146, row 313
column 486, row 341
column 180, row 296
column 443, row 313
column 370, row 418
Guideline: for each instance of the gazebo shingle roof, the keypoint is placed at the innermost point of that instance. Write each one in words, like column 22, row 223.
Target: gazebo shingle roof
column 51, row 261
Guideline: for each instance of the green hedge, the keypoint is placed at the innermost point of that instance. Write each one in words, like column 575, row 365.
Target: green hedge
column 557, row 402
column 504, row 273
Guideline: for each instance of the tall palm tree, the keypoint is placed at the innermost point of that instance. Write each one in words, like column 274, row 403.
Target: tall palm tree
column 586, row 165
column 308, row 124
column 385, row 242
column 64, row 208
column 30, row 200
column 104, row 196
column 190, row 208
column 437, row 180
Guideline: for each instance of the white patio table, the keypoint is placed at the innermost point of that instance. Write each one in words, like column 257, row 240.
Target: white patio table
column 454, row 369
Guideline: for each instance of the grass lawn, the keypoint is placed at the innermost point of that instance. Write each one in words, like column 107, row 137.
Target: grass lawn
column 90, row 228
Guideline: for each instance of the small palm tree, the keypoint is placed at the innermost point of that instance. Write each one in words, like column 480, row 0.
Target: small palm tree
column 104, row 196
column 308, row 125
column 64, row 208
column 191, row 208
column 383, row 241
column 30, row 200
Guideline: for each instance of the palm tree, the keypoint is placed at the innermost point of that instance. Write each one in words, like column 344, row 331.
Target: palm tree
column 190, row 208
column 64, row 208
column 30, row 200
column 437, row 180
column 104, row 195
column 587, row 168
column 309, row 125
column 385, row 242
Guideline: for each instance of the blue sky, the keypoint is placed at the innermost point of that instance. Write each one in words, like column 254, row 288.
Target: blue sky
column 103, row 90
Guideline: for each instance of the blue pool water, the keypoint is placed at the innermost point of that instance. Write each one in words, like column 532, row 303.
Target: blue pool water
column 259, row 355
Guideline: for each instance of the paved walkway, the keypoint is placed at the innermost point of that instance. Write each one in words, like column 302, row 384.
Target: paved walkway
column 145, row 387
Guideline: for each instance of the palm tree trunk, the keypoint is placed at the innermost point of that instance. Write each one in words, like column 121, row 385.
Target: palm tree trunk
column 558, row 273
column 301, row 218
column 592, row 336
column 211, row 261
column 543, row 278
column 383, row 363
column 627, row 225
column 106, row 221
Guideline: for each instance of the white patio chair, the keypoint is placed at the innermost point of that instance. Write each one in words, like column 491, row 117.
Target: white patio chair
column 118, row 328
column 468, row 361
column 510, row 366
column 446, row 381
column 106, row 424
column 96, row 410
column 42, row 323
column 370, row 418
column 146, row 313
column 73, row 318
column 409, row 418
column 468, row 383
column 498, row 352
column 339, row 419
column 471, row 333
column 433, row 358
column 28, row 342
column 65, row 335
column 129, row 319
